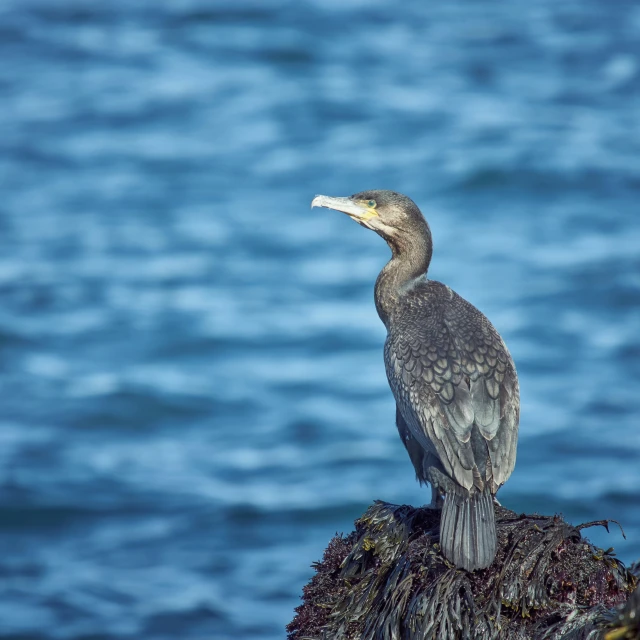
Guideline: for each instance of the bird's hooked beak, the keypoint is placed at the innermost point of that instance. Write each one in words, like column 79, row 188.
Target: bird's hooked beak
column 359, row 210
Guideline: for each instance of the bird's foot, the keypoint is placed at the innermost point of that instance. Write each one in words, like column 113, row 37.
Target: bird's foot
column 496, row 502
column 436, row 500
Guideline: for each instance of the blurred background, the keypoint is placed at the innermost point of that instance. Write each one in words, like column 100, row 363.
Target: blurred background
column 193, row 393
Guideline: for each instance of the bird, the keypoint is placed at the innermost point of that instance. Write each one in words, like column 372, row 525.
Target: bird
column 451, row 374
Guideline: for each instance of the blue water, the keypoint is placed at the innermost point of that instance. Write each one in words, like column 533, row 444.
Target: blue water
column 193, row 394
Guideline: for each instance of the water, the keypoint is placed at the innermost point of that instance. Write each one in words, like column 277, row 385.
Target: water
column 194, row 399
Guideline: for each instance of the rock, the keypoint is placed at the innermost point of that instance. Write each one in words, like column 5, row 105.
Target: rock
column 387, row 580
column 625, row 624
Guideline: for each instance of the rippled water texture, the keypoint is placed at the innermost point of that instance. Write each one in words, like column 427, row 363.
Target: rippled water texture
column 193, row 394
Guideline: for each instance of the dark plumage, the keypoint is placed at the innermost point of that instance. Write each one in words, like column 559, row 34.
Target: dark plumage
column 453, row 379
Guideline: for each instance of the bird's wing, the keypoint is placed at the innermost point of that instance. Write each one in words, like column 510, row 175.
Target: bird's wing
column 495, row 393
column 449, row 369
column 426, row 377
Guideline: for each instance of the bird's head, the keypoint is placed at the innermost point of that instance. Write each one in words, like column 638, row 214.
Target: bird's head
column 392, row 215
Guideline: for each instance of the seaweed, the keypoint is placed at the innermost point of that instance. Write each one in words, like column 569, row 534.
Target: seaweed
column 388, row 580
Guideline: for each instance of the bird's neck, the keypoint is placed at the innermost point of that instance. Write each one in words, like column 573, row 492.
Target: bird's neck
column 408, row 265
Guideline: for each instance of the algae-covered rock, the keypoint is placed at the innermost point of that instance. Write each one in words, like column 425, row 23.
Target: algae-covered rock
column 388, row 581
column 625, row 624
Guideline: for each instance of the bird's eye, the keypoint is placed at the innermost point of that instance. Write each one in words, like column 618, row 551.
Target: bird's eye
column 372, row 204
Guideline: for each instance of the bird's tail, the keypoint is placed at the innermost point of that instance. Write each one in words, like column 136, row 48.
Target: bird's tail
column 468, row 529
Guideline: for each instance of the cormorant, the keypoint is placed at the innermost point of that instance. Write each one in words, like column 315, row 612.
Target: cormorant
column 454, row 382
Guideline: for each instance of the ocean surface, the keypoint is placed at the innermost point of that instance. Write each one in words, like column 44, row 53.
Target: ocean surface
column 193, row 394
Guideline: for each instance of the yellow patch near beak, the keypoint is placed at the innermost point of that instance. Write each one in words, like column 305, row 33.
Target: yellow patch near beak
column 368, row 211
